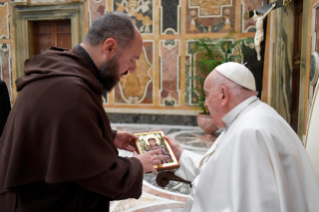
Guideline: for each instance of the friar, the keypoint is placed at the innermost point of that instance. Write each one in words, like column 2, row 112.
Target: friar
column 58, row 151
column 257, row 163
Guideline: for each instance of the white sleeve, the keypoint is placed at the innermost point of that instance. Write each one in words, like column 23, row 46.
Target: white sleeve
column 189, row 162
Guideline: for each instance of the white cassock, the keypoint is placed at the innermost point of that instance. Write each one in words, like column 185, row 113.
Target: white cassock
column 258, row 164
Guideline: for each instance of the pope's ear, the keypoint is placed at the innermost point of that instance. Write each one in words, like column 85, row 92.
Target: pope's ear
column 110, row 47
column 224, row 94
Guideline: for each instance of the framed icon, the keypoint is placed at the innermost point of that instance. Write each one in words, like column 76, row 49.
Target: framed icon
column 154, row 140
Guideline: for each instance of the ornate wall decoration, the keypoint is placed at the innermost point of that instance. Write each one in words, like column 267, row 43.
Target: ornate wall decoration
column 247, row 5
column 314, row 73
column 211, row 8
column 141, row 12
column 169, row 72
column 159, row 80
column 4, row 20
column 137, row 88
column 5, row 67
column 210, row 16
column 192, row 56
column 316, row 29
column 47, row 1
column 97, row 8
column 192, row 70
column 282, row 76
column 191, row 67
column 170, row 16
column 285, row 79
column 245, row 53
column 314, row 58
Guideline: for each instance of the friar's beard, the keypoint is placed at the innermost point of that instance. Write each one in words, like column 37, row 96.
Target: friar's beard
column 109, row 74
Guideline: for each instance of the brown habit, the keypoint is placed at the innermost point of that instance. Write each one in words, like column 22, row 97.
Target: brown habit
column 57, row 151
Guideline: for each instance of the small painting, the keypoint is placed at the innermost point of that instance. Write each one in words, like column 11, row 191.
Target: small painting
column 154, row 140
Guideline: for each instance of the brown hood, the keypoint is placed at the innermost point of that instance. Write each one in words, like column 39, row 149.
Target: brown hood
column 53, row 64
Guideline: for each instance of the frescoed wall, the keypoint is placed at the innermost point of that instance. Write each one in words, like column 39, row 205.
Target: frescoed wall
column 138, row 88
column 281, row 78
column 314, row 57
column 6, row 47
column 310, row 63
column 159, row 84
column 168, row 27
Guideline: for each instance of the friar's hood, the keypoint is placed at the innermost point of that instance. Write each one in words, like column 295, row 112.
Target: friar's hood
column 57, row 62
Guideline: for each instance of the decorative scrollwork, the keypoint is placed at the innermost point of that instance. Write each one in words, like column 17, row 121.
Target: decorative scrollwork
column 286, row 2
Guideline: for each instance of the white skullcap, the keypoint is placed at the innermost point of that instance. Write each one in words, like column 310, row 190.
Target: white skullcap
column 237, row 73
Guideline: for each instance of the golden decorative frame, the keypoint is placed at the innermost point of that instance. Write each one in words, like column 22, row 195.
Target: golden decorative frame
column 159, row 137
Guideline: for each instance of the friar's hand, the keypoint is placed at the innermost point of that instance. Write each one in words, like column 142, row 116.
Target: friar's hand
column 125, row 140
column 149, row 159
column 175, row 146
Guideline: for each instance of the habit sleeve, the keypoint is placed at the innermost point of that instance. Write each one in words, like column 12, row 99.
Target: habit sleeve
column 128, row 183
column 114, row 134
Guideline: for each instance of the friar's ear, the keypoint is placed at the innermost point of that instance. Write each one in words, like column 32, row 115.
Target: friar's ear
column 110, row 47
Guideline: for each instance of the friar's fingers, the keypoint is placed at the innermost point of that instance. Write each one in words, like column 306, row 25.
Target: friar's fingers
column 134, row 137
column 156, row 162
column 154, row 171
column 157, row 159
column 130, row 148
column 135, row 153
column 154, row 152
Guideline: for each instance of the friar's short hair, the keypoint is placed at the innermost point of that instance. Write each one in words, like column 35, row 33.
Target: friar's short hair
column 116, row 25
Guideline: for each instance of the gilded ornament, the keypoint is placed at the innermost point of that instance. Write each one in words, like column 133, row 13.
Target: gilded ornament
column 246, row 15
column 286, row 2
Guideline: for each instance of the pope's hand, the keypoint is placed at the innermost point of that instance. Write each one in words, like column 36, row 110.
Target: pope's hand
column 175, row 146
column 149, row 159
column 125, row 140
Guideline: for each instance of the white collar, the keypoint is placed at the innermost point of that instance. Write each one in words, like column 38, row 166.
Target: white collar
column 232, row 115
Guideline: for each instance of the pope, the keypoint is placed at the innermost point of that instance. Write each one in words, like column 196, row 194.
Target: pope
column 257, row 163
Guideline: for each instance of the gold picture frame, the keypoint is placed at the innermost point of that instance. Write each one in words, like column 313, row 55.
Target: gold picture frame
column 153, row 140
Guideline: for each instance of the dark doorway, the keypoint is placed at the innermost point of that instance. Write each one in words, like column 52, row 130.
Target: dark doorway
column 51, row 33
column 294, row 107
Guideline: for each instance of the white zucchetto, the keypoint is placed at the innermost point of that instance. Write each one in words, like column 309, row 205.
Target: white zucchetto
column 237, row 73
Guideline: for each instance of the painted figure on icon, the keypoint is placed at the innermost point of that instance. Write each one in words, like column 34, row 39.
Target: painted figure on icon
column 154, row 146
